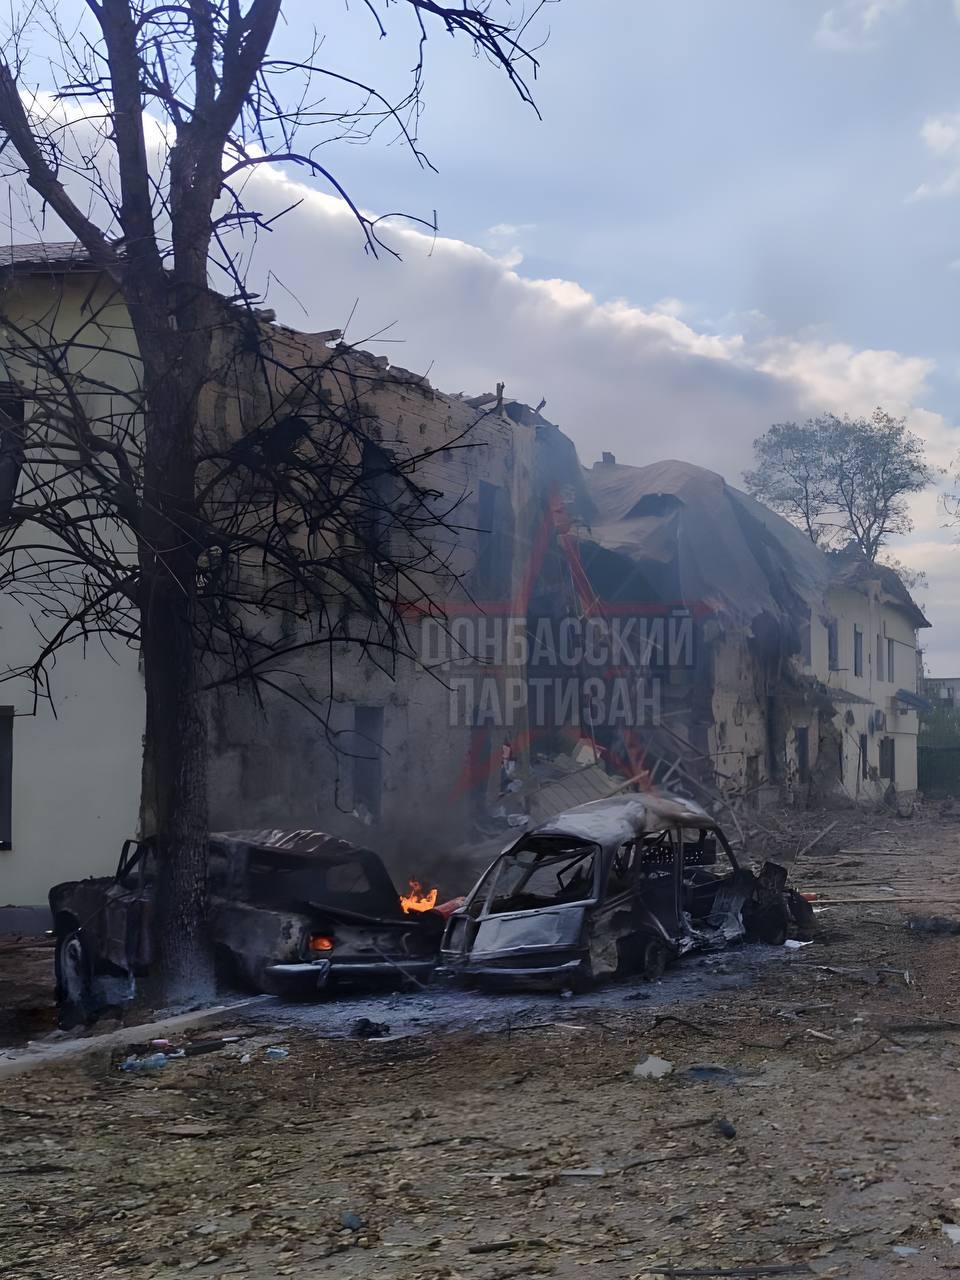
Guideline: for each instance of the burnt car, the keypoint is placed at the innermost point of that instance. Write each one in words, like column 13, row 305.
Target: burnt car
column 289, row 912
column 614, row 887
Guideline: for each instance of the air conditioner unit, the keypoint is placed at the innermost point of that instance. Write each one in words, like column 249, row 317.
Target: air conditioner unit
column 879, row 720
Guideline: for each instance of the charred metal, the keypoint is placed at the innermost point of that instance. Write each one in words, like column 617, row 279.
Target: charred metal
column 617, row 886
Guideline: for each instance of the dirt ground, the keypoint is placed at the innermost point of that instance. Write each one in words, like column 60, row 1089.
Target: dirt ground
column 808, row 1124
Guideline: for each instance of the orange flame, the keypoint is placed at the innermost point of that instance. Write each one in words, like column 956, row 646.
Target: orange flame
column 417, row 900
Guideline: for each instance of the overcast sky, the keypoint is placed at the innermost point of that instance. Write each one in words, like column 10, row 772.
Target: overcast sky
column 730, row 213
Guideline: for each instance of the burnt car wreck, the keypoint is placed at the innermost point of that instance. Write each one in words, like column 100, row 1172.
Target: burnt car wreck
column 618, row 886
column 290, row 912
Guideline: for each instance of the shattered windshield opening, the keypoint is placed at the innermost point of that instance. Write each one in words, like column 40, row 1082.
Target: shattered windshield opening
column 543, row 873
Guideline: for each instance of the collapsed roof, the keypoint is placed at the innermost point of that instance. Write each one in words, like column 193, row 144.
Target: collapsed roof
column 700, row 542
column 712, row 545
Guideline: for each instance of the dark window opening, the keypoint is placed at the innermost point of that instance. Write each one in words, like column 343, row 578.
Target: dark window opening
column 888, row 760
column 11, row 445
column 857, row 650
column 805, row 653
column 864, row 766
column 381, row 495
column 6, row 777
column 880, row 675
column 803, row 754
column 833, row 646
column 890, row 649
column 491, row 574
column 367, row 751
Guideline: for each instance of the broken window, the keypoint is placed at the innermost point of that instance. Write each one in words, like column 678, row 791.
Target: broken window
column 802, row 735
column 864, row 766
column 890, row 647
column 833, row 645
column 888, row 762
column 367, row 750
column 381, row 494
column 491, row 574
column 11, row 444
column 544, row 874
column 857, row 650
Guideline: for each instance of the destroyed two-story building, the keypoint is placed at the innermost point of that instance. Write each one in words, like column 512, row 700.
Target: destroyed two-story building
column 615, row 624
column 368, row 745
column 771, row 670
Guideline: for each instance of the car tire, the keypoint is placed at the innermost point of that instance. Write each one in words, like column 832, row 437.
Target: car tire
column 770, row 925
column 653, row 960
column 74, row 976
column 644, row 955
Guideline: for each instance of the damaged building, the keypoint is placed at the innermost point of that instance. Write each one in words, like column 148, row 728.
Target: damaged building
column 769, row 669
column 366, row 746
column 647, row 623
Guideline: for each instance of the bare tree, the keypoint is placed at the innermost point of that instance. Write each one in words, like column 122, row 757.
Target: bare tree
column 841, row 479
column 169, row 543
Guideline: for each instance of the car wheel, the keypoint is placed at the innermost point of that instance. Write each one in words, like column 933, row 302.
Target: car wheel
column 653, row 960
column 74, row 976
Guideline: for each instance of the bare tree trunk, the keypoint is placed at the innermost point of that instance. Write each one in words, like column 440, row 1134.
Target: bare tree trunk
column 175, row 810
column 175, row 780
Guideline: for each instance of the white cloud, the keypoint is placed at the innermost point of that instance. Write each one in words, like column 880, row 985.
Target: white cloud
column 670, row 307
column 852, row 24
column 510, row 230
column 941, row 136
column 642, row 382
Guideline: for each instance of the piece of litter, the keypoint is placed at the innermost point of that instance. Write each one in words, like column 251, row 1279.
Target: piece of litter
column 277, row 1053
column 652, row 1068
column 904, row 1250
column 952, row 1232
column 819, row 1035
column 710, row 1073
column 794, row 944
column 596, row 1172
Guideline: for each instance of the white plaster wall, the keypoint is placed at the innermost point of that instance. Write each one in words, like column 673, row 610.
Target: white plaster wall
column 76, row 763
column 874, row 615
column 76, row 776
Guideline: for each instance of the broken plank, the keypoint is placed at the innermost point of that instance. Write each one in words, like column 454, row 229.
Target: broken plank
column 816, row 840
column 890, row 899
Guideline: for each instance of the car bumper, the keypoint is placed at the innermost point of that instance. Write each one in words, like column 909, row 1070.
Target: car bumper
column 344, row 970
column 536, row 972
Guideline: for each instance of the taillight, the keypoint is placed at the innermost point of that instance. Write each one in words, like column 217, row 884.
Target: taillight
column 321, row 942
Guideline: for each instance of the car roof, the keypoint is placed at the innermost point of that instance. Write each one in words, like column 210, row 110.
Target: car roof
column 620, row 818
column 313, row 844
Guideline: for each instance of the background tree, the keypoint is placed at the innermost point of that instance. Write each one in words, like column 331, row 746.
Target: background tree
column 840, row 479
column 153, row 221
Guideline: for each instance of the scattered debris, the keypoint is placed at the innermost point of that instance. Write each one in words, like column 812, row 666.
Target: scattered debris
column 710, row 1073
column 652, row 1068
column 152, row 1062
column 365, row 1029
column 933, row 924
column 276, row 1053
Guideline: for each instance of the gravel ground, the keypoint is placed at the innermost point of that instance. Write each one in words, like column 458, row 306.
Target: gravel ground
column 495, row 1138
